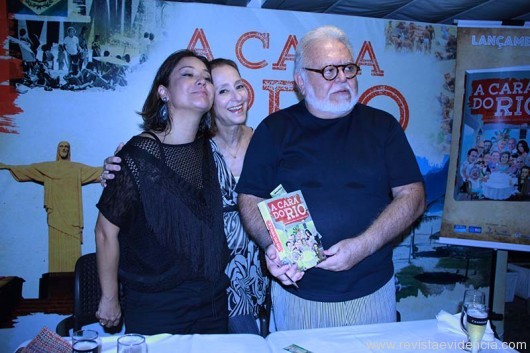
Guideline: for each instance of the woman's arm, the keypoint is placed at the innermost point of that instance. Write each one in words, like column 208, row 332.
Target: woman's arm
column 108, row 255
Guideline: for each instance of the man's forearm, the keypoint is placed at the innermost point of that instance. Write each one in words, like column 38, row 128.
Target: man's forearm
column 251, row 217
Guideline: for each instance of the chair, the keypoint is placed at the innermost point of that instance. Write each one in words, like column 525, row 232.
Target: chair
column 87, row 293
column 264, row 314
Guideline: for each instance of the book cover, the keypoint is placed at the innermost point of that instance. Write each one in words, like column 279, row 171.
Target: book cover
column 292, row 229
column 495, row 118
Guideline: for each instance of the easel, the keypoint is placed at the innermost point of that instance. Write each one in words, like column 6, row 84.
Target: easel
column 499, row 266
column 497, row 292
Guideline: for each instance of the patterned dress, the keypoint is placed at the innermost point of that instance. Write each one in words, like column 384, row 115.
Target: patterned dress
column 247, row 282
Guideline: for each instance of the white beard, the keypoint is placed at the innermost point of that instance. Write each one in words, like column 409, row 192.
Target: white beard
column 326, row 106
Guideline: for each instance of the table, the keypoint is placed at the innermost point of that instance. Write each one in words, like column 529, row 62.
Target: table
column 408, row 336
column 166, row 343
column 202, row 344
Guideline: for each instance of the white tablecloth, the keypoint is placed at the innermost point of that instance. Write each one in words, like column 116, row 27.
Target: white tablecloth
column 408, row 336
column 496, row 193
column 197, row 344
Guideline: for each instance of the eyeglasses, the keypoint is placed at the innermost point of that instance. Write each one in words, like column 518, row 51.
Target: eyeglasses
column 330, row 72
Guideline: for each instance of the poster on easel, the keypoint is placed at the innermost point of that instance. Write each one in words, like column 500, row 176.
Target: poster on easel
column 488, row 187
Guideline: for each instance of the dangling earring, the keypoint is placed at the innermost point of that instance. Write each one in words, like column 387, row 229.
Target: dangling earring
column 162, row 112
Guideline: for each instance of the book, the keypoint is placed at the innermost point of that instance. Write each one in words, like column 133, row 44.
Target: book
column 494, row 114
column 292, row 229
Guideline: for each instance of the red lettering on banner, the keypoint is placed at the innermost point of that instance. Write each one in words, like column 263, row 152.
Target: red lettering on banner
column 389, row 91
column 199, row 36
column 291, row 42
column 251, row 93
column 263, row 38
column 505, row 100
column 368, row 50
column 275, row 87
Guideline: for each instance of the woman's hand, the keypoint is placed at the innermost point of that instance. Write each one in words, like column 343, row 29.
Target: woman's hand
column 109, row 312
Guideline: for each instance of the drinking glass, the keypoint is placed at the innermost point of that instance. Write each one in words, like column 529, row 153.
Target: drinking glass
column 85, row 346
column 132, row 343
column 474, row 317
column 85, row 341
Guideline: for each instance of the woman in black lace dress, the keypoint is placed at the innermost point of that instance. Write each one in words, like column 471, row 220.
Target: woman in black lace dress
column 160, row 226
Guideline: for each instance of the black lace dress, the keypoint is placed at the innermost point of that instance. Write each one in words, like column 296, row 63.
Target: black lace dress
column 167, row 203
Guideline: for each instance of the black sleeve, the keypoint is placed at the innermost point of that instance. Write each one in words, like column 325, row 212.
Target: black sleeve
column 119, row 199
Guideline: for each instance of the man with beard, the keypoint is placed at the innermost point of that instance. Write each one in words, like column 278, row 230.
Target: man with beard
column 361, row 182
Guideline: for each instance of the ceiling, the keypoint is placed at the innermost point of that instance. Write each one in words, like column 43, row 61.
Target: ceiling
column 431, row 11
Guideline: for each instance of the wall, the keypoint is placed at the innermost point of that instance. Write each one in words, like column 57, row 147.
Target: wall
column 400, row 74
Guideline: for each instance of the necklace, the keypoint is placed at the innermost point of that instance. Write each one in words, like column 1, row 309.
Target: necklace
column 227, row 149
column 233, row 155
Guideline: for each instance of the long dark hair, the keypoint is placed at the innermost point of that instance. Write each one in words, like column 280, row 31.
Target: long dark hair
column 524, row 144
column 213, row 64
column 151, row 110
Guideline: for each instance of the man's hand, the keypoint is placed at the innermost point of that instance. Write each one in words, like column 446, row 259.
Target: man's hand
column 344, row 255
column 287, row 274
column 111, row 164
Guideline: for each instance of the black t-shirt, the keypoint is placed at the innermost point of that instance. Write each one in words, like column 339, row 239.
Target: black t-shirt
column 346, row 169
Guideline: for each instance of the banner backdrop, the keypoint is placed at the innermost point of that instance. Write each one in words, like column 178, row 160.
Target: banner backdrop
column 488, row 189
column 91, row 99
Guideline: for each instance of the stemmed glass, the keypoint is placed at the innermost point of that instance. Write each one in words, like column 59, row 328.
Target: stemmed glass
column 474, row 317
column 132, row 343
